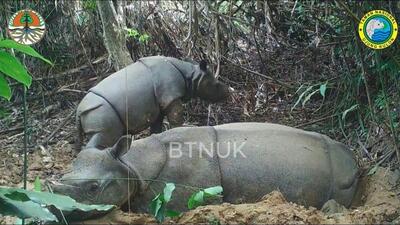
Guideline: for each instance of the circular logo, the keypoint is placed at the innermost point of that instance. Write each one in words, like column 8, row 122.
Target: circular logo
column 378, row 29
column 26, row 27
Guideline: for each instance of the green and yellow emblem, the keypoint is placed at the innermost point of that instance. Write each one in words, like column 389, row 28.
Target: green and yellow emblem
column 378, row 29
column 26, row 27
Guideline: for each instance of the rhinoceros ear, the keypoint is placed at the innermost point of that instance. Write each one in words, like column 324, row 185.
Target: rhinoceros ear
column 203, row 65
column 121, row 147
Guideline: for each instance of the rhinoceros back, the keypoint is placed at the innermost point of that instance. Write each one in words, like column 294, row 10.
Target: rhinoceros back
column 169, row 76
column 276, row 157
column 130, row 91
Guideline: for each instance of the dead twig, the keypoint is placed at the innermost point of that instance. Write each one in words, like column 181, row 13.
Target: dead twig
column 59, row 127
column 71, row 90
column 364, row 149
column 14, row 136
column 66, row 73
column 281, row 83
column 315, row 121
column 209, row 115
column 348, row 11
column 12, row 129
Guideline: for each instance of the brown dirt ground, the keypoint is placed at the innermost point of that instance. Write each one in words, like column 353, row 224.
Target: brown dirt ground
column 379, row 199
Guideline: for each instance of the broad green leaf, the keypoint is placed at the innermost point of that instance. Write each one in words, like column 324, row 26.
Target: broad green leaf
column 322, row 90
column 159, row 203
column 10, row 66
column 196, row 199
column 64, row 203
column 213, row 191
column 199, row 196
column 168, row 189
column 155, row 206
column 22, row 48
column 5, row 90
column 46, row 199
column 160, row 216
column 24, row 209
column 37, row 186
column 352, row 108
column 17, row 196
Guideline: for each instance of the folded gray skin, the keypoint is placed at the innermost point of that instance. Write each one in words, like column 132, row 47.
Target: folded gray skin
column 140, row 95
column 248, row 160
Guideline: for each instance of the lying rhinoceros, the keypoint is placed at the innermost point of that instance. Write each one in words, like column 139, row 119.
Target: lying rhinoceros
column 248, row 160
column 140, row 95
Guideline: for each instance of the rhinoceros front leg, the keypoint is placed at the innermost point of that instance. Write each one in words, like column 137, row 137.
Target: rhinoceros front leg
column 102, row 125
column 175, row 113
column 156, row 126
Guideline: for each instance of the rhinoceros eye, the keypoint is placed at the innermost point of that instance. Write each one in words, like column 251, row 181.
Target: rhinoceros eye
column 93, row 187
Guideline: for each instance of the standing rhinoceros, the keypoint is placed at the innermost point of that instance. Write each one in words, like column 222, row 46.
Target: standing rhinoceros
column 248, row 160
column 140, row 95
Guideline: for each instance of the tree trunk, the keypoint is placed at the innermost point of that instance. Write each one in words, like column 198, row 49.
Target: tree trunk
column 113, row 32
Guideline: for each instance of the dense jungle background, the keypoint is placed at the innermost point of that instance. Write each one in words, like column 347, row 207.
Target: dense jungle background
column 297, row 63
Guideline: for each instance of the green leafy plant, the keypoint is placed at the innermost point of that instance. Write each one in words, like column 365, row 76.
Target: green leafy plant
column 89, row 5
column 200, row 197
column 306, row 95
column 132, row 32
column 322, row 89
column 36, row 205
column 380, row 100
column 37, row 186
column 10, row 66
column 3, row 113
column 142, row 38
column 351, row 109
column 158, row 206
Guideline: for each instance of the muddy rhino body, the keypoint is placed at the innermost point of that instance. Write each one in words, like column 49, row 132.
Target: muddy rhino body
column 140, row 95
column 307, row 167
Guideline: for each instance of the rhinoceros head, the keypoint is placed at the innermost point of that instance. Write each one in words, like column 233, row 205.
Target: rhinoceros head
column 208, row 87
column 98, row 177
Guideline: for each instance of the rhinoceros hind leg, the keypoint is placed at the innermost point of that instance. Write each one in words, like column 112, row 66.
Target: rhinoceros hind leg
column 345, row 172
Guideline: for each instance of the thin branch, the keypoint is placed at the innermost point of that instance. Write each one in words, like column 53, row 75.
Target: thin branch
column 62, row 124
column 259, row 74
column 346, row 8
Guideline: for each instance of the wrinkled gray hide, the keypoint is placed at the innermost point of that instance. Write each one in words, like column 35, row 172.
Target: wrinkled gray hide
column 140, row 95
column 307, row 167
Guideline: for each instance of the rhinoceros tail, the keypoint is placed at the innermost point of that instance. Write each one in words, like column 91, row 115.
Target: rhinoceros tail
column 79, row 133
